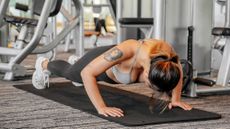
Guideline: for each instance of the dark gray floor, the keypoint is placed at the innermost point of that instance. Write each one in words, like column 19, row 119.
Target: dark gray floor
column 20, row 109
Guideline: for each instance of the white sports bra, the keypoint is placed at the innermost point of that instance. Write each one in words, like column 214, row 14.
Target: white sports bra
column 125, row 77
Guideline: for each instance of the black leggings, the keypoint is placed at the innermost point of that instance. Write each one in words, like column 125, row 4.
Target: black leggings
column 72, row 72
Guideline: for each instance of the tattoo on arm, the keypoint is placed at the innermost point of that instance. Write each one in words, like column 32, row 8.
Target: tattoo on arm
column 113, row 54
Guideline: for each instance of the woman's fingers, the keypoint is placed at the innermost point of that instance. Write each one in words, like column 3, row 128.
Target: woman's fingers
column 118, row 109
column 182, row 105
column 116, row 112
column 112, row 111
column 105, row 114
column 188, row 107
column 170, row 106
column 185, row 106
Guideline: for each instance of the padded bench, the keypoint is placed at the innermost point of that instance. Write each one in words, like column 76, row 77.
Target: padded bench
column 145, row 24
column 136, row 21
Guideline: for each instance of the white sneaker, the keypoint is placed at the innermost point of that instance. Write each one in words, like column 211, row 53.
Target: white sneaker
column 40, row 79
column 77, row 84
column 73, row 59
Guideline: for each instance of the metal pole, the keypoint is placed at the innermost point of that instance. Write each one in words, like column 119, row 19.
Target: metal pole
column 32, row 4
column 54, row 34
column 139, row 10
column 118, row 14
column 159, row 18
column 80, row 31
column 227, row 14
column 3, row 8
column 192, row 3
column 112, row 10
column 81, row 34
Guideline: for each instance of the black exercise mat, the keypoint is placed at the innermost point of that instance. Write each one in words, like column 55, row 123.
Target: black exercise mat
column 136, row 112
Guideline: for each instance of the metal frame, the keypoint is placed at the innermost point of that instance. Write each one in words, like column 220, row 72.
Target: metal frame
column 118, row 16
column 224, row 71
column 66, row 12
column 79, row 46
column 159, row 14
column 13, row 68
column 3, row 8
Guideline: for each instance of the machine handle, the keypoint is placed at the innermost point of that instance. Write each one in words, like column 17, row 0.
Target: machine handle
column 204, row 81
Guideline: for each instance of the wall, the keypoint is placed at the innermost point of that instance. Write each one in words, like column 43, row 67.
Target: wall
column 179, row 17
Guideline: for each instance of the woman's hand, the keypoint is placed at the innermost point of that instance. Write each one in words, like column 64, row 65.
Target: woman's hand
column 111, row 111
column 180, row 104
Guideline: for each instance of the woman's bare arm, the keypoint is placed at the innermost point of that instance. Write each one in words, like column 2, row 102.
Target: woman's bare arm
column 176, row 94
column 99, row 65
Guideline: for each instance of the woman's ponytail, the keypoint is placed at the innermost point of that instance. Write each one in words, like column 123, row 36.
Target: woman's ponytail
column 159, row 102
column 174, row 59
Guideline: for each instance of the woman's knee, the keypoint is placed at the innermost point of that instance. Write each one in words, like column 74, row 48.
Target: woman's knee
column 58, row 66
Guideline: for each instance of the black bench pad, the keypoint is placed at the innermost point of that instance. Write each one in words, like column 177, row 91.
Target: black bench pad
column 139, row 21
column 221, row 31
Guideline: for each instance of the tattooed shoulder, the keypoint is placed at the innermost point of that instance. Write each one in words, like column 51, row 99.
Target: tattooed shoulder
column 113, row 54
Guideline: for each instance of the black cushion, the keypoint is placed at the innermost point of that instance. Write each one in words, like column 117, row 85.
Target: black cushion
column 39, row 6
column 141, row 21
column 221, row 31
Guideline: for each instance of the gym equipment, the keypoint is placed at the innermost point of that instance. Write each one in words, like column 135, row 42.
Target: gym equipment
column 188, row 77
column 187, row 73
column 22, row 7
column 13, row 68
column 194, row 79
column 136, row 110
column 224, row 70
column 69, row 12
column 159, row 32
column 144, row 24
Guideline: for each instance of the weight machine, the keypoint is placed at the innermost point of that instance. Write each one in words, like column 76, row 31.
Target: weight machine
column 12, row 67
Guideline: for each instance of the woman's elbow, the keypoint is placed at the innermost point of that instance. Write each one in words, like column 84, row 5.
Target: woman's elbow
column 84, row 73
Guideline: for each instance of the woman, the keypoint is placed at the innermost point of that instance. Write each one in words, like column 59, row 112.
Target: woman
column 151, row 61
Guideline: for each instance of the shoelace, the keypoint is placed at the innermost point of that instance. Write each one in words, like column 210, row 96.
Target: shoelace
column 38, row 82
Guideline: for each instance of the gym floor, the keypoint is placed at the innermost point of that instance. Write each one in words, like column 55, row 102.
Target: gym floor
column 20, row 109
